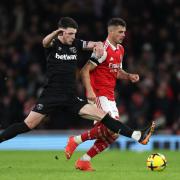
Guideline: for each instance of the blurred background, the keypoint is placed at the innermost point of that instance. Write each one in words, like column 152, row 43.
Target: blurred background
column 152, row 49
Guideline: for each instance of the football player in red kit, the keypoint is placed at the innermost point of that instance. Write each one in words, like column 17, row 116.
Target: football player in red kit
column 99, row 77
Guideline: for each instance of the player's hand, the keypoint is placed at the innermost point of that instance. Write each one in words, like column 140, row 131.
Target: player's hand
column 59, row 32
column 99, row 49
column 134, row 78
column 91, row 97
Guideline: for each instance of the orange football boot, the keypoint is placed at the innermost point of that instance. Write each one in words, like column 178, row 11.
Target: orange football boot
column 70, row 147
column 83, row 165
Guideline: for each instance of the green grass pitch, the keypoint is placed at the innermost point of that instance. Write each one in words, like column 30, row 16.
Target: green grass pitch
column 110, row 165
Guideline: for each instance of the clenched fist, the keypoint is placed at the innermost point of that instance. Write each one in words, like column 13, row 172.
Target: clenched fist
column 133, row 77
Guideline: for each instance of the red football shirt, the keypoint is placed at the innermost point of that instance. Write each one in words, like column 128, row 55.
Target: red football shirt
column 103, row 77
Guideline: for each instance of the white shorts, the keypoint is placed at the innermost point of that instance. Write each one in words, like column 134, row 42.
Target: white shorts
column 108, row 106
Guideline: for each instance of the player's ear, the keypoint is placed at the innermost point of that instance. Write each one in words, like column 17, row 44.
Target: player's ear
column 110, row 29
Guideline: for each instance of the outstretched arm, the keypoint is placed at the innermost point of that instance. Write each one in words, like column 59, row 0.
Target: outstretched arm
column 127, row 76
column 97, row 47
column 91, row 45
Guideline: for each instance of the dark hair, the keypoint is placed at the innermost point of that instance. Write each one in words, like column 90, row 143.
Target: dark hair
column 116, row 22
column 67, row 22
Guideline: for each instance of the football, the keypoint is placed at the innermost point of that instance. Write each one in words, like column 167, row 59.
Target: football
column 156, row 162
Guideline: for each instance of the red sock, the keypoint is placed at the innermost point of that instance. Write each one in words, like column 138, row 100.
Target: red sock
column 101, row 144
column 99, row 131
column 93, row 133
column 98, row 147
column 105, row 138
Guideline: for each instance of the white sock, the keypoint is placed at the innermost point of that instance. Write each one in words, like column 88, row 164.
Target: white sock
column 86, row 157
column 78, row 139
column 136, row 135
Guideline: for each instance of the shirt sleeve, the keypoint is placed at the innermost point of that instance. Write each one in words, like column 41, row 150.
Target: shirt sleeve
column 81, row 44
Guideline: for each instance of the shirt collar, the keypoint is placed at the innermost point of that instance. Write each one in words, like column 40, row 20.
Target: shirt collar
column 112, row 46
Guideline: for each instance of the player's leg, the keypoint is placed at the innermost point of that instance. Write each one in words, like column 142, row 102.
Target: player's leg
column 94, row 133
column 32, row 120
column 74, row 141
column 93, row 113
column 89, row 111
column 97, row 132
column 84, row 163
column 108, row 106
column 105, row 136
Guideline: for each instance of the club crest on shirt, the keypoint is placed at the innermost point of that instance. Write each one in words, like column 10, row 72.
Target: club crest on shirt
column 73, row 49
column 111, row 59
column 39, row 106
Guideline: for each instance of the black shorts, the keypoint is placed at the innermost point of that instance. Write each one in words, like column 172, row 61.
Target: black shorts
column 47, row 104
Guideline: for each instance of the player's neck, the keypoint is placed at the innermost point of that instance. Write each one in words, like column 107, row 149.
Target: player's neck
column 111, row 42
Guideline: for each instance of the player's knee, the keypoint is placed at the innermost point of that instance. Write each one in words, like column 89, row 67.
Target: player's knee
column 33, row 119
column 30, row 125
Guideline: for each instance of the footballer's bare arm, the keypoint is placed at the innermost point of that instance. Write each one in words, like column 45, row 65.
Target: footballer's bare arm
column 47, row 41
column 85, row 75
column 95, row 46
column 127, row 76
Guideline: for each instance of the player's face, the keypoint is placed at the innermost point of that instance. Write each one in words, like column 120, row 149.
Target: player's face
column 69, row 35
column 118, row 34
